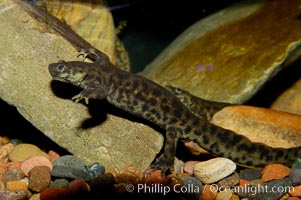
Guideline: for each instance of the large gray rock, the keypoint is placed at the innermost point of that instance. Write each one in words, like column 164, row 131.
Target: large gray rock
column 26, row 51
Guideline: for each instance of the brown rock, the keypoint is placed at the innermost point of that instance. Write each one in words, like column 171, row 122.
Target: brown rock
column 34, row 161
column 3, row 169
column 229, row 181
column 129, row 174
column 235, row 197
column 115, row 142
column 274, row 171
column 293, row 198
column 290, row 100
column 16, row 185
column 13, row 175
column 55, row 193
column 4, row 152
column 79, row 185
column 224, row 195
column 23, row 151
column 39, row 178
column 274, row 128
column 209, row 192
column 240, row 35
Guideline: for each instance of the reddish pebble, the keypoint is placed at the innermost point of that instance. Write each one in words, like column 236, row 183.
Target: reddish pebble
column 53, row 155
column 39, row 178
column 79, row 185
column 209, row 192
column 16, row 185
column 243, row 183
column 274, row 171
column 295, row 191
column 189, row 166
column 34, row 161
column 13, row 165
column 55, row 194
column 155, row 177
column 129, row 174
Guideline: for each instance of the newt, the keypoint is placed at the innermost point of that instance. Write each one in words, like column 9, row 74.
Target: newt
column 145, row 98
column 200, row 107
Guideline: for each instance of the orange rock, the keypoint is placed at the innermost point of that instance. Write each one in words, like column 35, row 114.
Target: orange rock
column 209, row 192
column 274, row 128
column 293, row 198
column 13, row 165
column 34, row 161
column 53, row 155
column 295, row 191
column 274, row 171
column 16, row 185
column 3, row 168
column 155, row 177
column 243, row 183
column 129, row 174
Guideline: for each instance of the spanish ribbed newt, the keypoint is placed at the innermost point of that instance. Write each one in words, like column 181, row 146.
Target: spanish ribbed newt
column 144, row 98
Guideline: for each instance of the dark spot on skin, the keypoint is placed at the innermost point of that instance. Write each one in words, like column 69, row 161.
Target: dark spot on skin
column 262, row 150
column 196, row 122
column 236, row 160
column 268, row 158
column 212, row 129
column 157, row 93
column 145, row 108
column 243, row 158
column 236, row 138
column 135, row 84
column 164, row 100
column 152, row 102
column 205, row 139
column 165, row 108
column 221, row 154
column 279, row 153
column 214, row 146
column 173, row 120
column 140, row 96
column 147, row 115
column 249, row 163
column 197, row 133
column 286, row 157
column 155, row 114
column 187, row 129
column 242, row 147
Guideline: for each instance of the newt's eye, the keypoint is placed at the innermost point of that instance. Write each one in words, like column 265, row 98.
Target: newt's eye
column 178, row 90
column 61, row 67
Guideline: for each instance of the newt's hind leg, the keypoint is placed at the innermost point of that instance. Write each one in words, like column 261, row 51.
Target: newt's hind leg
column 166, row 160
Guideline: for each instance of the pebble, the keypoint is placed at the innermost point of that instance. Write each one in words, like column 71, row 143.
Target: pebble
column 39, row 178
column 69, row 173
column 189, row 166
column 79, row 186
column 60, row 183
column 16, row 185
column 293, row 198
column 4, row 152
column 2, row 186
column 194, row 187
column 129, row 174
column 234, row 197
column 13, row 175
column 214, row 169
column 55, row 194
column 295, row 191
column 70, row 162
column 250, row 174
column 13, row 165
column 297, row 164
column 95, row 169
column 209, row 192
column 24, row 151
column 103, row 183
column 172, row 181
column 53, row 155
column 281, row 184
column 295, row 176
column 231, row 180
column 224, row 195
column 34, row 161
column 155, row 177
column 274, row 171
column 14, row 195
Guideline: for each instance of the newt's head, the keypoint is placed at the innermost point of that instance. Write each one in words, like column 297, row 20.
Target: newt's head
column 71, row 72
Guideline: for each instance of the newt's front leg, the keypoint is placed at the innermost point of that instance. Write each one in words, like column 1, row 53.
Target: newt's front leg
column 91, row 93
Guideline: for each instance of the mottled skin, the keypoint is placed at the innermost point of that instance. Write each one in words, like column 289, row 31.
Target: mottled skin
column 200, row 107
column 146, row 99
